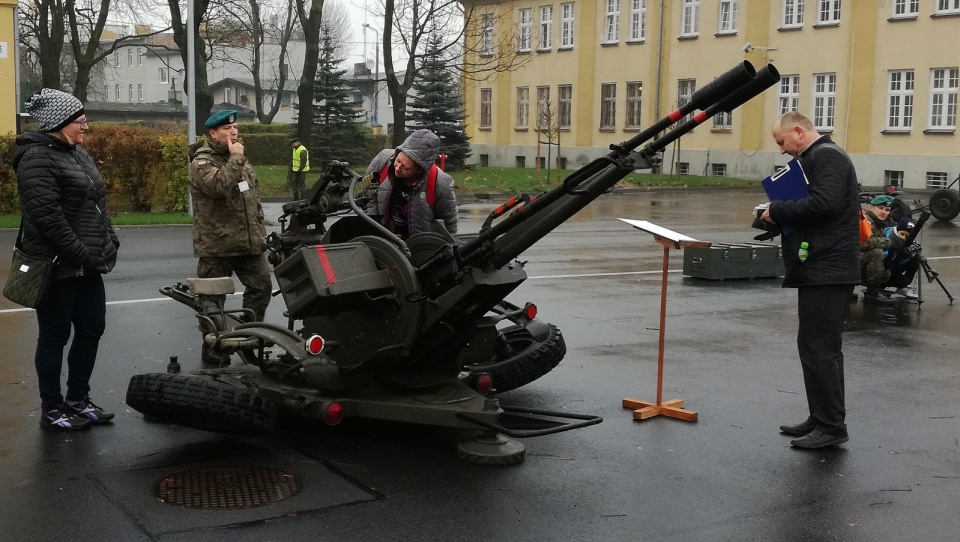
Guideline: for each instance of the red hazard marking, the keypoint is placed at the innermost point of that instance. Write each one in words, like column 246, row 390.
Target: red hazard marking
column 325, row 264
column 700, row 117
column 675, row 116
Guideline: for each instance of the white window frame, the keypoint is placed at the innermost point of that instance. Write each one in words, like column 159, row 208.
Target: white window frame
column 139, row 92
column 728, row 17
column 634, row 105
column 525, row 34
column 106, row 93
column 523, row 108
column 690, row 18
column 943, row 98
column 611, row 22
column 164, row 74
column 824, row 115
column 564, row 106
column 116, row 58
column 947, row 6
column 685, row 90
column 904, row 8
column 486, row 107
column 792, row 14
column 788, row 94
column 130, row 92
column 608, row 106
column 139, row 56
column 828, row 12
column 568, row 15
column 486, row 34
column 118, row 93
column 227, row 95
column 543, row 108
column 545, row 39
column 900, row 85
column 937, row 180
column 723, row 120
column 130, row 57
column 638, row 20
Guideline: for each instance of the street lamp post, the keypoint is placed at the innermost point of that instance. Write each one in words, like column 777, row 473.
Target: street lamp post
column 376, row 71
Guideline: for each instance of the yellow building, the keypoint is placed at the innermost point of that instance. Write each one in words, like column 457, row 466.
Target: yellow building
column 880, row 77
column 8, row 67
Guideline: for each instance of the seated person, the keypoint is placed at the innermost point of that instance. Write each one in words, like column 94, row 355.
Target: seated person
column 902, row 260
column 872, row 271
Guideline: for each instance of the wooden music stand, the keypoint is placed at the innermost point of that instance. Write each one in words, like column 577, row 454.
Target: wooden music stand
column 674, row 407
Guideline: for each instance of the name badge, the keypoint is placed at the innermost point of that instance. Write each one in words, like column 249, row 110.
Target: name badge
column 244, row 186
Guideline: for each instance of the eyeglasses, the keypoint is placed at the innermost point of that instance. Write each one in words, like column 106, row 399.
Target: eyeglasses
column 81, row 122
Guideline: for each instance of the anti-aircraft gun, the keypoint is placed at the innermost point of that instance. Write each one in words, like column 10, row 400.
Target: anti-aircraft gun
column 411, row 330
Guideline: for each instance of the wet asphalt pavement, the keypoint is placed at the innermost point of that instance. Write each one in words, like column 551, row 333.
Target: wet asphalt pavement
column 730, row 355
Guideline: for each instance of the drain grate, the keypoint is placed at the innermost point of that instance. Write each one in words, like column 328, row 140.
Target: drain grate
column 227, row 488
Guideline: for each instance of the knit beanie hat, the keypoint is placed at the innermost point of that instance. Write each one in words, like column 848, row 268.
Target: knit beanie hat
column 53, row 109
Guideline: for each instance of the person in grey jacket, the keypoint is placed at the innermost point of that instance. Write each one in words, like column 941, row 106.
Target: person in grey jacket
column 402, row 197
column 828, row 220
column 63, row 200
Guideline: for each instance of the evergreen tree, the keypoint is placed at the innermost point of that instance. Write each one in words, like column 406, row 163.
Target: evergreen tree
column 438, row 106
column 338, row 133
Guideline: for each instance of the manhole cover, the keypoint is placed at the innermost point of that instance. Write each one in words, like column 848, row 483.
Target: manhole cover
column 227, row 488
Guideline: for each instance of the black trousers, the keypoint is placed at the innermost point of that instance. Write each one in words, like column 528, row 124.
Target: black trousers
column 78, row 303
column 820, row 344
column 902, row 273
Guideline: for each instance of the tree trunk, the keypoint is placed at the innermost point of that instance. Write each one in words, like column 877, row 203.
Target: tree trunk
column 311, row 39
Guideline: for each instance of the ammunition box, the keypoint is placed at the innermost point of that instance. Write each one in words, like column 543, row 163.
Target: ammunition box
column 733, row 261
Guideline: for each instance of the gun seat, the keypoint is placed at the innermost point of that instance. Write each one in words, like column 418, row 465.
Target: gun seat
column 214, row 286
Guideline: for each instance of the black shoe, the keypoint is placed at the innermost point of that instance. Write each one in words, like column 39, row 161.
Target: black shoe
column 798, row 430
column 62, row 419
column 817, row 439
column 211, row 358
column 86, row 409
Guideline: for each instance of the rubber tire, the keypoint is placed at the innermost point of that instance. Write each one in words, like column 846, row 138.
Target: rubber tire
column 531, row 359
column 899, row 210
column 200, row 402
column 945, row 204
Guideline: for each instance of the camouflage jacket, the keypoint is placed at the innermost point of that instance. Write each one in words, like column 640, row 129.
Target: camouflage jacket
column 227, row 215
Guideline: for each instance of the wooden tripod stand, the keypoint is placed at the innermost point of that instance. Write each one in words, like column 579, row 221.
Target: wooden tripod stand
column 673, row 408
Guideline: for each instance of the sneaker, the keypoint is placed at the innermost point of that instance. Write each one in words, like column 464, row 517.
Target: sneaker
column 907, row 292
column 87, row 410
column 62, row 419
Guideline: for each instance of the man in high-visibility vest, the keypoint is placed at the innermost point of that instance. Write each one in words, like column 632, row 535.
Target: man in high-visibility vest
column 299, row 166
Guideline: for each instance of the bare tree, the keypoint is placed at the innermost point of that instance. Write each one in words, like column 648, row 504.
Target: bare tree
column 204, row 96
column 43, row 30
column 311, row 19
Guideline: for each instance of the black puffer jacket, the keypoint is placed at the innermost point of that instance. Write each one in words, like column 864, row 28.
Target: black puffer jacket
column 63, row 201
column 827, row 219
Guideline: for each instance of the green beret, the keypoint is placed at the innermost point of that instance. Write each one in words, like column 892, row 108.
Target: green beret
column 885, row 201
column 227, row 116
column 294, row 138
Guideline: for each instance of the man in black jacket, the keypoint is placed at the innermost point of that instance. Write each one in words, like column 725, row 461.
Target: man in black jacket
column 827, row 220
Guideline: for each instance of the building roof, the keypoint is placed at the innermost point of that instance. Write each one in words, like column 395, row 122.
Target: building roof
column 290, row 86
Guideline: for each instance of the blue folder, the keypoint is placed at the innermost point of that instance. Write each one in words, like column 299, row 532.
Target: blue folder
column 787, row 184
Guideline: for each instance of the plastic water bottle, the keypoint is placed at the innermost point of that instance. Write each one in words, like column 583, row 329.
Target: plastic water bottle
column 804, row 251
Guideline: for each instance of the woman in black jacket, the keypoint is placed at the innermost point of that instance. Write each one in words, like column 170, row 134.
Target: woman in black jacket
column 62, row 199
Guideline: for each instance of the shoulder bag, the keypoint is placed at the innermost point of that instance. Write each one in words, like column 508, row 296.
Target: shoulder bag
column 29, row 278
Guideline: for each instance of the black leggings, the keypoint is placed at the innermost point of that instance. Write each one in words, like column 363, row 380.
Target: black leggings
column 79, row 303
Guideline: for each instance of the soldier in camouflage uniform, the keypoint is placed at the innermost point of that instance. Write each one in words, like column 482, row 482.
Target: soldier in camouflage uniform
column 228, row 229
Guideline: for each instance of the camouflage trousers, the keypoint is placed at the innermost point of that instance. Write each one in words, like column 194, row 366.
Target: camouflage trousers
column 872, row 272
column 253, row 272
column 296, row 180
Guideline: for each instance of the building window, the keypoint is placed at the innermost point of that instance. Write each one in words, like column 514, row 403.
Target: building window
column 685, row 89
column 484, row 160
column 611, row 33
column 285, row 100
column 486, row 24
column 829, row 12
column 936, row 180
column 565, row 105
column 943, row 98
column 723, row 120
column 608, row 106
column 544, row 113
column 523, row 107
column 788, row 98
column 226, row 95
column 728, row 16
column 139, row 57
column 792, row 14
column 130, row 57
column 638, row 20
column 690, row 18
column 164, row 75
column 718, row 170
column 118, row 93
column 526, row 30
column 900, row 100
column 130, row 93
column 567, row 13
column 892, row 178
column 389, row 99
column 116, row 59
column 824, row 101
column 521, row 161
column 139, row 93
column 546, row 28
column 947, row 6
column 905, row 8
column 683, row 168
column 634, row 95
column 486, row 107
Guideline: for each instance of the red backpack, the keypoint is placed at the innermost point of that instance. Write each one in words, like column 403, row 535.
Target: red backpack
column 431, row 178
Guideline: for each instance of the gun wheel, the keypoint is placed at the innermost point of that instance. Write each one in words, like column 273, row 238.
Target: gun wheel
column 200, row 402
column 945, row 204
column 491, row 449
column 522, row 358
